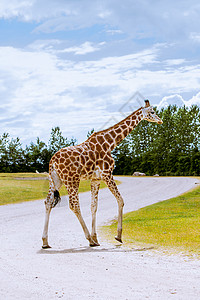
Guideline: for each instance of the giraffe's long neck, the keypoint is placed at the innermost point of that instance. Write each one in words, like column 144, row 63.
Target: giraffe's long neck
column 115, row 134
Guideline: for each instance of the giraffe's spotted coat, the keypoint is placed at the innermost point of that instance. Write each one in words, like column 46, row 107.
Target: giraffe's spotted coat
column 91, row 160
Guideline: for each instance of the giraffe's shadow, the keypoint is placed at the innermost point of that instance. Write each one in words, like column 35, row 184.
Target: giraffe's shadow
column 88, row 249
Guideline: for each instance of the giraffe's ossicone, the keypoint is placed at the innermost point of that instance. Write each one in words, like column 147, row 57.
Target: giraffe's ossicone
column 91, row 160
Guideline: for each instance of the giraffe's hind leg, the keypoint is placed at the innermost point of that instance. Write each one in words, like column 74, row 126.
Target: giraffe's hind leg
column 46, row 225
column 95, row 184
column 74, row 205
column 48, row 206
column 53, row 198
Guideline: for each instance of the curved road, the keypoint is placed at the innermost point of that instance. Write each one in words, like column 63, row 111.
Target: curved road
column 72, row 270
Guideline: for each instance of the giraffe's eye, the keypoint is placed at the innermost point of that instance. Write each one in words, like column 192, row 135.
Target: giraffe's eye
column 152, row 112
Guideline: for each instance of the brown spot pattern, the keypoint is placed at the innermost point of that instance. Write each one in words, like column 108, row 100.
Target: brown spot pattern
column 105, row 146
column 62, row 160
column 98, row 148
column 113, row 134
column 91, row 159
column 100, row 139
column 118, row 130
column 93, row 155
column 108, row 138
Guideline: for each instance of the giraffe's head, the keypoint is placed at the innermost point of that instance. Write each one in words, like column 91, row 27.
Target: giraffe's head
column 149, row 114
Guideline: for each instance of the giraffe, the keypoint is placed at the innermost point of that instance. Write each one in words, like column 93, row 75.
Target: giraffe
column 91, row 160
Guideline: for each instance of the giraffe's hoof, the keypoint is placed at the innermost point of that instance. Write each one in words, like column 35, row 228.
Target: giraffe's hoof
column 94, row 239
column 94, row 244
column 118, row 239
column 46, row 247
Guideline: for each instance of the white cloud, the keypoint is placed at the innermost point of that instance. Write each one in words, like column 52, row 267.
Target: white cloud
column 195, row 100
column 195, row 36
column 85, row 48
column 114, row 31
column 168, row 20
column 105, row 14
column 45, row 85
column 174, row 62
column 48, row 91
column 171, row 100
column 14, row 8
column 178, row 100
column 44, row 45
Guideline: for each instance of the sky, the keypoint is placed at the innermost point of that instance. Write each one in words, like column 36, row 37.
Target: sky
column 84, row 64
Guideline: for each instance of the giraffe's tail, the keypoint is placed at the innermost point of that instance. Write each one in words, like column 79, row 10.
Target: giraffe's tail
column 55, row 183
column 57, row 198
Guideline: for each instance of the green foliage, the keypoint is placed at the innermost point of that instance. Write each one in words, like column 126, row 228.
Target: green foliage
column 57, row 141
column 36, row 156
column 11, row 154
column 172, row 148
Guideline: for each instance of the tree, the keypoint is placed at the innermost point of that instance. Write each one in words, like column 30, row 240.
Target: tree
column 122, row 157
column 57, row 141
column 11, row 154
column 37, row 156
column 172, row 148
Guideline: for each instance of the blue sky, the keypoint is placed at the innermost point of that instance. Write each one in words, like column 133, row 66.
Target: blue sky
column 74, row 64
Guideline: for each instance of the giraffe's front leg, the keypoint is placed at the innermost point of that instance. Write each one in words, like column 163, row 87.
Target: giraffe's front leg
column 95, row 184
column 113, row 188
column 75, row 207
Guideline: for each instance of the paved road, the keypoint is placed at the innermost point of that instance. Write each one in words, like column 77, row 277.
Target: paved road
column 72, row 270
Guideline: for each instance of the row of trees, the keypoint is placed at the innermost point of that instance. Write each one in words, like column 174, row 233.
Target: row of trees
column 172, row 148
column 36, row 156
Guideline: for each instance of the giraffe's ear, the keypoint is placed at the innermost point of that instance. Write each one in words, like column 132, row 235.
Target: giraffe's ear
column 147, row 104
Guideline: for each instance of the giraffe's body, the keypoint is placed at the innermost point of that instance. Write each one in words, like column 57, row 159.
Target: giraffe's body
column 91, row 160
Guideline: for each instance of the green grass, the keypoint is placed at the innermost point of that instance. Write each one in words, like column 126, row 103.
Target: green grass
column 171, row 224
column 14, row 190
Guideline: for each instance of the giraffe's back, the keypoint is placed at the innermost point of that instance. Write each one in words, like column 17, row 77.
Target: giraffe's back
column 74, row 161
column 87, row 160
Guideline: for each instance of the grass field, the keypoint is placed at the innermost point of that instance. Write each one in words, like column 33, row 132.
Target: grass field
column 20, row 187
column 171, row 224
